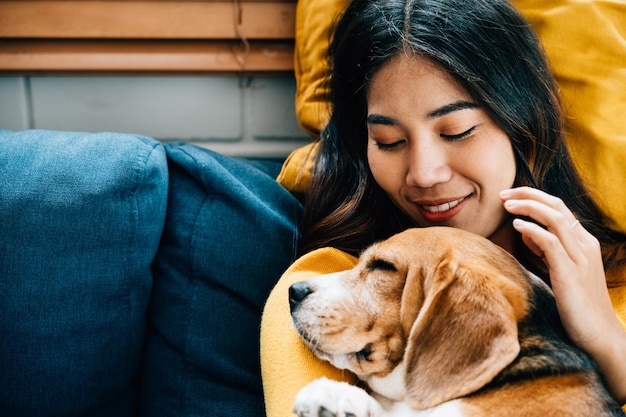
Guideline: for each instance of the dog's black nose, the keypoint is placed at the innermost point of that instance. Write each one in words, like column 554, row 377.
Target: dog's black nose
column 298, row 292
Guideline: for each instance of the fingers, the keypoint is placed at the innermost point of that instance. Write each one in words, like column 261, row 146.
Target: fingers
column 549, row 248
column 556, row 231
column 544, row 208
column 551, row 213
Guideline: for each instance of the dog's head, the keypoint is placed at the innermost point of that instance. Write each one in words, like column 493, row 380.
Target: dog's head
column 443, row 302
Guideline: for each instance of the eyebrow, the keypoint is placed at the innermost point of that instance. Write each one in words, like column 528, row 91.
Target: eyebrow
column 452, row 107
column 378, row 119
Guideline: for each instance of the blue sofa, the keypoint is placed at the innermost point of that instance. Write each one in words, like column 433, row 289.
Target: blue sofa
column 133, row 275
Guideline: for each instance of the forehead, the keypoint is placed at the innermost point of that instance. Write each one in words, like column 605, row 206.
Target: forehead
column 412, row 82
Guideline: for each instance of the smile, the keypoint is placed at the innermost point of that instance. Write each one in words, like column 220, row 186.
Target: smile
column 443, row 207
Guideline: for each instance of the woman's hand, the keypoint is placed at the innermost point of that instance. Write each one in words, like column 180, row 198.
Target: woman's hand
column 574, row 261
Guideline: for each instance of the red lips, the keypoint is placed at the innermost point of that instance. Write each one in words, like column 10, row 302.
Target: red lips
column 441, row 212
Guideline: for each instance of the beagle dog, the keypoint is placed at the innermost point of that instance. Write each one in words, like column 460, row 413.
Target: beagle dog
column 441, row 322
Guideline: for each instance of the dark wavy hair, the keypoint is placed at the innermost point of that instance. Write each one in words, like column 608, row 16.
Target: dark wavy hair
column 495, row 55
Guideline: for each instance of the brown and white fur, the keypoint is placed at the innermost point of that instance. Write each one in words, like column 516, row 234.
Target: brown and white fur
column 442, row 322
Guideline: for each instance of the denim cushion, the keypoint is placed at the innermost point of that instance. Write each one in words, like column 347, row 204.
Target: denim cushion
column 81, row 216
column 230, row 232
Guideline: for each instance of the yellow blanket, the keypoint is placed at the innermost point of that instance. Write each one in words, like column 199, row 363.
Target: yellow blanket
column 286, row 363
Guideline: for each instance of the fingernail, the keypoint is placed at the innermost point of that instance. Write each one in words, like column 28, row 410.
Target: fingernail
column 505, row 193
column 509, row 204
column 518, row 223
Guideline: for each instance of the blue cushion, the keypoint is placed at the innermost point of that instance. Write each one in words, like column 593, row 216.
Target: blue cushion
column 81, row 216
column 230, row 232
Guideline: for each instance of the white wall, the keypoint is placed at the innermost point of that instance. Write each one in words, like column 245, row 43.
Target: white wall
column 236, row 116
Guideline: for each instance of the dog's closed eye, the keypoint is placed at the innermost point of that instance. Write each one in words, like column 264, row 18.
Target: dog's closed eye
column 381, row 264
column 364, row 354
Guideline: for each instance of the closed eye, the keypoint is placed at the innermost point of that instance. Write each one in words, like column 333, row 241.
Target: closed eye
column 364, row 354
column 389, row 146
column 381, row 264
column 459, row 136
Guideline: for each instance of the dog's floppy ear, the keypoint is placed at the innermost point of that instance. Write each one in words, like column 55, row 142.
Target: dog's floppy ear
column 464, row 334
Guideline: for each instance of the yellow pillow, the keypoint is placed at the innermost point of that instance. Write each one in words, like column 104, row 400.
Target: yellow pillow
column 585, row 43
column 314, row 23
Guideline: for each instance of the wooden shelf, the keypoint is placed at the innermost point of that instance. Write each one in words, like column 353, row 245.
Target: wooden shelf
column 78, row 56
column 146, row 36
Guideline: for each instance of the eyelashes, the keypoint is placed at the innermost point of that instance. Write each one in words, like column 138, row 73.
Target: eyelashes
column 389, row 146
column 459, row 136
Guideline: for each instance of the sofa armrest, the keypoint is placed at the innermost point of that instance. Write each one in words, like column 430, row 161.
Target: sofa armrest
column 81, row 216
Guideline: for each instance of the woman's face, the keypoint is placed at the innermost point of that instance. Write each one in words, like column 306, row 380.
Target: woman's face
column 434, row 151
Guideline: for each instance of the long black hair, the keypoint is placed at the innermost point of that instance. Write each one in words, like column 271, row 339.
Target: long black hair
column 492, row 51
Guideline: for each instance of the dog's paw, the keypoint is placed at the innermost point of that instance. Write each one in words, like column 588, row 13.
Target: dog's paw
column 326, row 398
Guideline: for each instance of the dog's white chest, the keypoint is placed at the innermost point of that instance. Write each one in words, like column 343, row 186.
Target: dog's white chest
column 391, row 386
column 341, row 399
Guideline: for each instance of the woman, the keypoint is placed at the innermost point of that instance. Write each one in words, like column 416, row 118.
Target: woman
column 445, row 113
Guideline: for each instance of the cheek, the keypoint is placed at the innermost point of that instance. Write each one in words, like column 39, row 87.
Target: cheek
column 506, row 169
column 495, row 161
column 386, row 168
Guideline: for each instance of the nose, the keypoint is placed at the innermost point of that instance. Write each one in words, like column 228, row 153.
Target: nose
column 428, row 165
column 298, row 292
